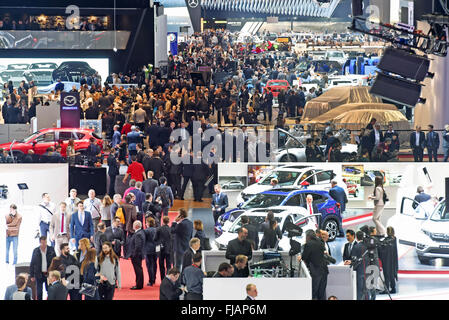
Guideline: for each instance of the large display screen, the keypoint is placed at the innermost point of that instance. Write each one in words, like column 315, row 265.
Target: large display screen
column 45, row 72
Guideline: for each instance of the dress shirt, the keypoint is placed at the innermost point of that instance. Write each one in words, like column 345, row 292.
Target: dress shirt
column 310, row 210
column 376, row 137
column 93, row 206
column 45, row 216
column 44, row 265
column 417, row 139
column 81, row 217
column 71, row 204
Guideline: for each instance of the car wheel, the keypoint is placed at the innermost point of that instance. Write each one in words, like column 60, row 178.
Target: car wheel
column 288, row 158
column 331, row 226
column 356, row 194
column 423, row 260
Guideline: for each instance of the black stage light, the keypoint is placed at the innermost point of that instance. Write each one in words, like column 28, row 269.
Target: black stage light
column 396, row 90
column 405, row 64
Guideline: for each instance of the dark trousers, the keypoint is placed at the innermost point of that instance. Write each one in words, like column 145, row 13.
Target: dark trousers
column 184, row 185
column 151, row 262
column 164, row 263
column 40, row 281
column 216, row 214
column 106, row 292
column 193, row 296
column 74, row 294
column 418, row 154
column 319, row 283
column 174, row 180
column 198, row 189
column 178, row 259
column 433, row 153
column 112, row 185
column 137, row 265
column 164, row 212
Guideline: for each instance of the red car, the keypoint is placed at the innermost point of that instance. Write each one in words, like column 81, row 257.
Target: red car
column 352, row 189
column 275, row 86
column 41, row 140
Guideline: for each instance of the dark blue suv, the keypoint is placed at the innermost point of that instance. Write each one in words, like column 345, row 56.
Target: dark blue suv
column 330, row 221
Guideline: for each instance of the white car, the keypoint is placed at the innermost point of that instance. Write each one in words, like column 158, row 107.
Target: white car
column 425, row 226
column 233, row 185
column 14, row 73
column 336, row 55
column 294, row 176
column 294, row 149
column 40, row 73
column 296, row 215
column 349, row 80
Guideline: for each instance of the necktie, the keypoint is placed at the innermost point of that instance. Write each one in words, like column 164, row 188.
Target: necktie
column 311, row 212
column 62, row 222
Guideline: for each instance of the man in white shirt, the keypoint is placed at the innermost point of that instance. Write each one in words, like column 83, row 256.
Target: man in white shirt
column 93, row 205
column 46, row 210
column 71, row 201
column 251, row 292
column 311, row 209
column 60, row 227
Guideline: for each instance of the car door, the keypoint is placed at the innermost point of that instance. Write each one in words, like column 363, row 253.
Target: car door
column 407, row 223
column 42, row 142
column 63, row 138
column 307, row 177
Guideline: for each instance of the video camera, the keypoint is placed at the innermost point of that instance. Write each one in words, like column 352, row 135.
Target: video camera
column 373, row 242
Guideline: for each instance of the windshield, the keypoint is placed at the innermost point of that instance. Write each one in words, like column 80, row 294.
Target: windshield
column 264, row 200
column 253, row 220
column 335, row 54
column 34, row 135
column 285, row 178
column 440, row 213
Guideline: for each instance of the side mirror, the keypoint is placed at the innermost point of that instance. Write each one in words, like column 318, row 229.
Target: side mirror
column 239, row 205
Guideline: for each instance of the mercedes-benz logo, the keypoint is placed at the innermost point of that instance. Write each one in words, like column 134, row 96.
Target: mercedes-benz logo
column 193, row 3
column 69, row 101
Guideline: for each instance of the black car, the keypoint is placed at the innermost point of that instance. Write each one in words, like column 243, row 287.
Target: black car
column 72, row 70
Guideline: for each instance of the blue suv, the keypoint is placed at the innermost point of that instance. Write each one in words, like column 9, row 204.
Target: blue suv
column 330, row 221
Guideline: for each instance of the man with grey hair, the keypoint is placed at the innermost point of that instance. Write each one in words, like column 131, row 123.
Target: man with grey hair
column 420, row 197
column 135, row 252
column 93, row 205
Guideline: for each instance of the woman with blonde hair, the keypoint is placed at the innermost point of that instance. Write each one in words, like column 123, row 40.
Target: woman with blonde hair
column 88, row 272
column 105, row 210
column 83, row 247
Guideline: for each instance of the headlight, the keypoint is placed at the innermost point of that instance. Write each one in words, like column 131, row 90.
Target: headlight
column 427, row 233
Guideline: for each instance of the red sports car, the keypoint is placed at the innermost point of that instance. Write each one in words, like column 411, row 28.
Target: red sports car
column 276, row 86
column 41, row 140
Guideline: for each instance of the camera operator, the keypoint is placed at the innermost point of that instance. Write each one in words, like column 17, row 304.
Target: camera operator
column 364, row 254
column 313, row 256
column 388, row 255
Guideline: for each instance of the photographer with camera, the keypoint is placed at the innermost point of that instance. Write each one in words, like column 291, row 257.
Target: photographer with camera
column 389, row 257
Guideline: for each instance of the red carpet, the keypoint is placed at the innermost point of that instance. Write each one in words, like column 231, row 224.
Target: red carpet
column 129, row 280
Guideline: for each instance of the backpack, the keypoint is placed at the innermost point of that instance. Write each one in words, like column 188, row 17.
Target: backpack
column 150, row 214
column 120, row 214
column 164, row 196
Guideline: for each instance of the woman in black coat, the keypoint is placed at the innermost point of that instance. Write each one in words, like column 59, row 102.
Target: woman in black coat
column 271, row 232
column 198, row 226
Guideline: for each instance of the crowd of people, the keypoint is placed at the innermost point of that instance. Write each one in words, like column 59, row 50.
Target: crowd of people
column 56, row 23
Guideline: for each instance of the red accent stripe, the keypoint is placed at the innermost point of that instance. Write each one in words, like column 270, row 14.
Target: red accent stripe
column 358, row 217
column 417, row 272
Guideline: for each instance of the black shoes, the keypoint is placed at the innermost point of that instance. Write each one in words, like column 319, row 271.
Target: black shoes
column 149, row 284
column 136, row 288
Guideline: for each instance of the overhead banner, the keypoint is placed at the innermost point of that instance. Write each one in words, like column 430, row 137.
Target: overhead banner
column 70, row 109
column 172, row 38
column 194, row 7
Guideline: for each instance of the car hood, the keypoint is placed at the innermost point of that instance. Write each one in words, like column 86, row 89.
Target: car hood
column 436, row 226
column 256, row 188
column 16, row 145
column 225, row 237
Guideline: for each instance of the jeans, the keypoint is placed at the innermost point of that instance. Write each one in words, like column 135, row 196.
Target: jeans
column 40, row 281
column 106, row 292
column 45, row 229
column 15, row 242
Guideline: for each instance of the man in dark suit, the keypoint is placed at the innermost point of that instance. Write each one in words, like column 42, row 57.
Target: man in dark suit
column 375, row 137
column 169, row 289
column 418, row 143
column 81, row 225
column 150, row 184
column 312, row 209
column 40, row 261
column 313, row 256
column 56, row 290
column 187, row 258
column 253, row 232
column 432, row 143
column 164, row 239
column 251, row 292
column 115, row 235
column 219, row 202
column 100, row 237
column 182, row 229
column 113, row 171
column 135, row 252
column 338, row 194
column 239, row 246
column 347, row 251
column 187, row 173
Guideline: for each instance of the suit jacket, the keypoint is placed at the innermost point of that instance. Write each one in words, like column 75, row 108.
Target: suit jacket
column 220, row 200
column 339, row 195
column 187, row 258
column 118, row 235
column 347, row 255
column 169, row 290
column 55, row 224
column 79, row 231
column 149, row 185
column 164, row 238
column 136, row 245
column 182, row 234
column 315, row 211
column 36, row 261
column 57, row 291
column 253, row 234
column 313, row 256
column 130, row 213
column 422, row 140
column 372, row 138
column 433, row 140
column 99, row 239
column 150, row 244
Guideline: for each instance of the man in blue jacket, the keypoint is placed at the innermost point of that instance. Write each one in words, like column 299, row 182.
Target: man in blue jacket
column 432, row 143
column 338, row 194
column 219, row 202
column 81, row 225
